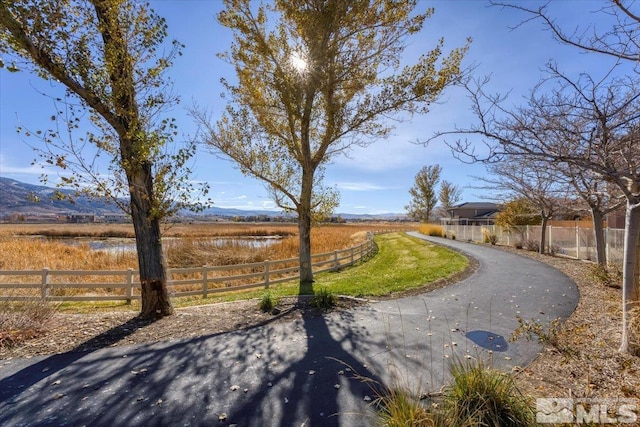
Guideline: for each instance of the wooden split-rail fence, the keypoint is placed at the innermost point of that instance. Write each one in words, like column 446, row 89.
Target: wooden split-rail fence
column 124, row 285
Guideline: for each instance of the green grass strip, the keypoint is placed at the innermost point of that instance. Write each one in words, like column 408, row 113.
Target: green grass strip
column 402, row 263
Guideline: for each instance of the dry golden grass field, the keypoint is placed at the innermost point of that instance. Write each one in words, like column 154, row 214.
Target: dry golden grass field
column 36, row 246
column 65, row 247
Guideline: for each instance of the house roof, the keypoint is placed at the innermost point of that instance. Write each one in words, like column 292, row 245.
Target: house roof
column 476, row 211
column 487, row 215
column 477, row 205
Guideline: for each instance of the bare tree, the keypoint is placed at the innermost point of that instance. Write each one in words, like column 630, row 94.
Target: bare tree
column 590, row 125
column 314, row 79
column 599, row 196
column 619, row 141
column 619, row 41
column 521, row 177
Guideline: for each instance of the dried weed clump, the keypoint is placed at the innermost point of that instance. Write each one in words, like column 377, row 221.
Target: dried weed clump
column 634, row 331
column 190, row 252
column 36, row 254
column 477, row 395
column 431, row 230
column 23, row 320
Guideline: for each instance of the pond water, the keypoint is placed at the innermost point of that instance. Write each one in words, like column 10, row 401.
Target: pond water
column 120, row 245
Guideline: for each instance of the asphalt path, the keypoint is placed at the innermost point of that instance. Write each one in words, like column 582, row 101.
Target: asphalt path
column 317, row 371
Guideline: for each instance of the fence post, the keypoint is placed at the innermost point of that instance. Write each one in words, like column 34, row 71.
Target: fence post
column 45, row 290
column 577, row 243
column 335, row 260
column 550, row 240
column 129, row 287
column 205, row 283
column 266, row 274
column 352, row 255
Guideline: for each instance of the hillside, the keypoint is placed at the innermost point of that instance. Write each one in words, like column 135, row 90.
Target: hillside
column 26, row 199
column 22, row 198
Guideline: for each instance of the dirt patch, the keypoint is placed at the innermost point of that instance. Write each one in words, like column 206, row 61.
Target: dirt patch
column 91, row 331
column 587, row 363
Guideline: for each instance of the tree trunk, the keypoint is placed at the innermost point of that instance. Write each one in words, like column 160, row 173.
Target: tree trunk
column 598, row 232
column 629, row 271
column 543, row 234
column 153, row 275
column 304, row 230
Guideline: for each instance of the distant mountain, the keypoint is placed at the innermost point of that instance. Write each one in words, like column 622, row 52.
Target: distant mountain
column 229, row 212
column 22, row 198
column 214, row 210
column 377, row 217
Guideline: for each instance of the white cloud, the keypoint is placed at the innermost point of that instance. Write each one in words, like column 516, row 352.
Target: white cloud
column 242, row 201
column 362, row 186
column 32, row 170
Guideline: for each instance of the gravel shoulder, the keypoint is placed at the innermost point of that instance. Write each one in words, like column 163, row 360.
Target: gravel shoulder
column 67, row 332
column 585, row 362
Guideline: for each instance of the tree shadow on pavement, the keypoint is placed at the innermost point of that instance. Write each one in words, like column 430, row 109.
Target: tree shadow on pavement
column 49, row 365
column 279, row 374
column 323, row 386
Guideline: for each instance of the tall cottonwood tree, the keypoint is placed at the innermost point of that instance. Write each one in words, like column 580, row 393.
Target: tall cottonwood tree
column 449, row 194
column 424, row 196
column 316, row 77
column 105, row 53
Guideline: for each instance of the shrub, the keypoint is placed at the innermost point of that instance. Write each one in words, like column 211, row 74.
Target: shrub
column 431, row 230
column 489, row 237
column 554, row 249
column 608, row 276
column 267, row 302
column 546, row 334
column 481, row 396
column 323, row 299
column 398, row 408
column 24, row 320
column 532, row 245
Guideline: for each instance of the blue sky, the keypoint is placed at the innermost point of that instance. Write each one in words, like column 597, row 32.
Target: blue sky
column 371, row 180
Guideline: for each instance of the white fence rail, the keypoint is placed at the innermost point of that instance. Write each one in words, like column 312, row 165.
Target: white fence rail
column 124, row 285
column 574, row 242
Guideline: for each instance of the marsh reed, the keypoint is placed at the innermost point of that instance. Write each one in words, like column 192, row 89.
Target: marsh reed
column 22, row 247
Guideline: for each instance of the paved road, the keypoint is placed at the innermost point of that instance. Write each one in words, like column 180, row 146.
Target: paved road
column 307, row 372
